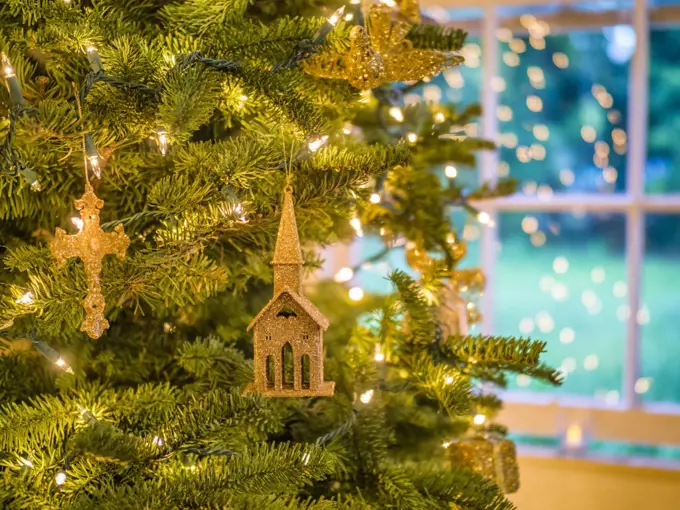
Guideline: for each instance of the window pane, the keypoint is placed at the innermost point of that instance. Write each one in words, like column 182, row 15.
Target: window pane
column 662, row 173
column 561, row 278
column 659, row 314
column 563, row 88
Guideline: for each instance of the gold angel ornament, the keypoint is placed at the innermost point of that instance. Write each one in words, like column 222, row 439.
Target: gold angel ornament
column 91, row 244
column 380, row 53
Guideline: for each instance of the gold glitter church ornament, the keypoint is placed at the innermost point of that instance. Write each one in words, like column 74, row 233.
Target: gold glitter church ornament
column 288, row 332
column 380, row 53
column 91, row 244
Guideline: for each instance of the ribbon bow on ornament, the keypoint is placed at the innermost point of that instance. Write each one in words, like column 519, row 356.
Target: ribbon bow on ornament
column 380, row 53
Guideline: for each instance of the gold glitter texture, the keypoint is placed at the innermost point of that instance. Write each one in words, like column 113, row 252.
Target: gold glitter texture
column 91, row 244
column 288, row 332
column 380, row 53
column 410, row 9
column 493, row 457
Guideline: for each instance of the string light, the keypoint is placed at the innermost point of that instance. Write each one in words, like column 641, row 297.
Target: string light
column 25, row 462
column 448, row 379
column 157, row 441
column 26, row 299
column 379, row 355
column 396, row 113
column 366, row 396
column 94, row 59
column 446, row 444
column 92, row 155
column 479, row 419
column 317, row 142
column 306, row 458
column 349, row 16
column 13, row 85
column 356, row 293
column 60, row 479
column 375, row 198
column 412, row 137
column 439, row 117
column 389, row 3
column 484, row 218
column 162, row 136
column 356, row 225
column 344, row 275
column 450, row 171
column 333, row 20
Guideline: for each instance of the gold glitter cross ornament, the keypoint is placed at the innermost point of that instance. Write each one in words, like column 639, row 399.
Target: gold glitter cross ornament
column 289, row 330
column 91, row 244
column 380, row 53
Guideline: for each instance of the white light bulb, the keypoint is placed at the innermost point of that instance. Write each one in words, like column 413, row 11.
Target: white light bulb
column 91, row 49
column 396, row 113
column 25, row 462
column 60, row 479
column 94, row 163
column 163, row 142
column 78, row 222
column 336, row 16
column 306, row 457
column 412, row 137
column 379, row 355
column 375, row 198
column 450, row 171
column 317, row 143
column 446, row 444
column 479, row 419
column 349, row 16
column 366, row 396
column 9, row 72
column 389, row 3
column 158, row 441
column 356, row 225
column 344, row 275
column 484, row 218
column 356, row 293
column 26, row 299
column 449, row 379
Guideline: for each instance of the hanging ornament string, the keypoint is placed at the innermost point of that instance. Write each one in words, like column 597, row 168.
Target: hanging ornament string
column 80, row 119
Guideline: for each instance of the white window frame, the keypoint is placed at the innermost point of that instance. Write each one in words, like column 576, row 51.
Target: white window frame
column 550, row 414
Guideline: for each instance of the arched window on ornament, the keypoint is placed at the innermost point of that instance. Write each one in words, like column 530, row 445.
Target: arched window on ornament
column 271, row 371
column 305, row 371
column 287, row 366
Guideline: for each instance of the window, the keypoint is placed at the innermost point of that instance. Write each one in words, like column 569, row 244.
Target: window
column 583, row 100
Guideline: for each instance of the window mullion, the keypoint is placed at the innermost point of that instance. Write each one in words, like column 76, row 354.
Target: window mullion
column 638, row 96
column 489, row 159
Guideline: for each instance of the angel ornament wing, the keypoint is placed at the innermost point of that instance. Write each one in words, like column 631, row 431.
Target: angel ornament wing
column 380, row 53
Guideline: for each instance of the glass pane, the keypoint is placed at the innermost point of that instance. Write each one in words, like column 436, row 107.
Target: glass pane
column 560, row 277
column 659, row 314
column 563, row 92
column 662, row 173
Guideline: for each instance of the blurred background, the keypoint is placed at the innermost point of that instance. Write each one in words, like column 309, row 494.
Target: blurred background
column 583, row 101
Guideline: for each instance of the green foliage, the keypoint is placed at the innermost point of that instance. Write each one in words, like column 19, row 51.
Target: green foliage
column 153, row 415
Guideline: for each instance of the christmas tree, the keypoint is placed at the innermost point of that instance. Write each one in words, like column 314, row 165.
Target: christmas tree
column 200, row 139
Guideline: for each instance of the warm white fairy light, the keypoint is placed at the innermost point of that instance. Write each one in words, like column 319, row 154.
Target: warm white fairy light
column 484, row 218
column 446, row 444
column 60, row 479
column 7, row 67
column 375, row 198
column 25, row 462
column 366, row 396
column 26, row 299
column 396, row 113
column 63, row 365
column 389, row 3
column 479, row 419
column 448, row 379
column 379, row 355
column 450, row 171
column 157, row 441
column 356, row 293
column 344, row 275
column 349, row 16
column 412, row 137
column 439, row 117
column 78, row 222
column 318, row 142
column 333, row 20
column 356, row 225
column 162, row 140
column 306, row 458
